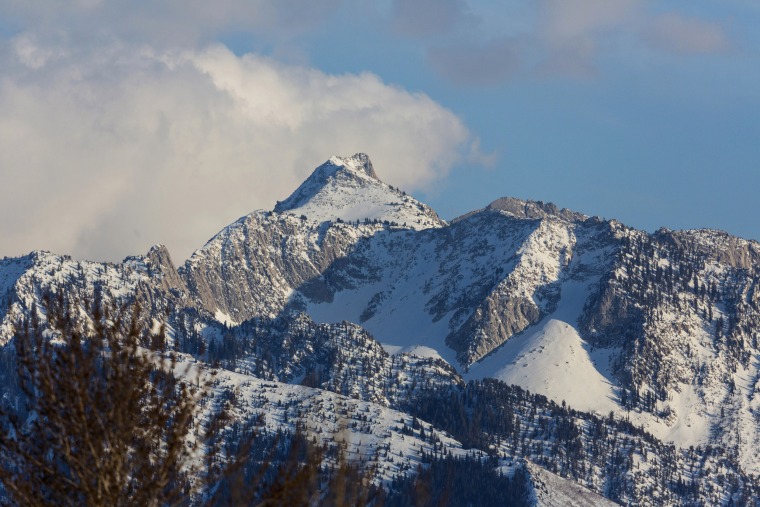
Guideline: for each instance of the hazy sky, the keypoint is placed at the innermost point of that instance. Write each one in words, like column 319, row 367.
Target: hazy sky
column 129, row 123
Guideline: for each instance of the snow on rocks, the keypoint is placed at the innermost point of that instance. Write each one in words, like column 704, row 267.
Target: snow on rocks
column 348, row 189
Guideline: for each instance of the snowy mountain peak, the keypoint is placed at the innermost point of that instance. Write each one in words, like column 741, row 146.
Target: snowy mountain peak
column 348, row 189
column 359, row 163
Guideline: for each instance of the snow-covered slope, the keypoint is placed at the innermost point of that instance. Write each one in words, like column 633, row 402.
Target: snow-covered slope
column 554, row 491
column 464, row 290
column 348, row 189
column 682, row 311
column 387, row 442
column 552, row 359
column 26, row 281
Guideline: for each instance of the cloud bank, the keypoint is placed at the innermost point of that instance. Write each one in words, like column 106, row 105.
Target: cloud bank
column 107, row 151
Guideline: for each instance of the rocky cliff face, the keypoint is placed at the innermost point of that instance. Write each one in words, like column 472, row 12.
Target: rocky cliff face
column 253, row 267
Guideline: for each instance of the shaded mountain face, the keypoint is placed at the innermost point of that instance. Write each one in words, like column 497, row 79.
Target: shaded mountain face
column 353, row 287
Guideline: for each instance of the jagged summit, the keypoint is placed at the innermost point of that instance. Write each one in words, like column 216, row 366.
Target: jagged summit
column 347, row 188
column 534, row 209
column 360, row 163
column 521, row 208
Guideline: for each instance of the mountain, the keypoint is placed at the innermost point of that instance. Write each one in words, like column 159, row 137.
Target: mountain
column 582, row 352
column 348, row 189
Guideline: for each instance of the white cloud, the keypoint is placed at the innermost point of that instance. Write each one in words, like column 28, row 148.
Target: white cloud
column 572, row 33
column 422, row 18
column 569, row 32
column 677, row 33
column 107, row 151
column 564, row 20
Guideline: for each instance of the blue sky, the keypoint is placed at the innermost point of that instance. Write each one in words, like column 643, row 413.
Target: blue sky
column 138, row 123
